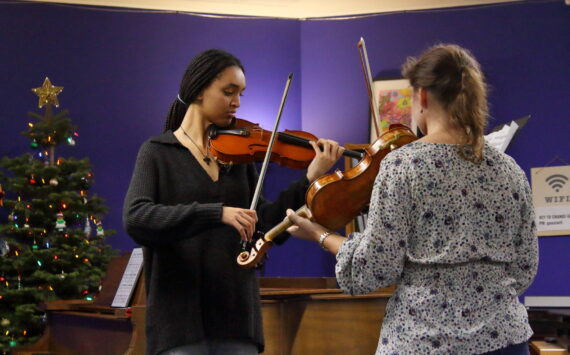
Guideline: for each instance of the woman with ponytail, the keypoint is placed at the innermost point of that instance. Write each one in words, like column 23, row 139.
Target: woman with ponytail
column 189, row 214
column 451, row 222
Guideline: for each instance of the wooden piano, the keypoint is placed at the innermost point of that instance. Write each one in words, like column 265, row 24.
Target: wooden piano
column 80, row 327
column 300, row 316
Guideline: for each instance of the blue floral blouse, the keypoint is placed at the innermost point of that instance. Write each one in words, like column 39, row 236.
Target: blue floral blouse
column 459, row 240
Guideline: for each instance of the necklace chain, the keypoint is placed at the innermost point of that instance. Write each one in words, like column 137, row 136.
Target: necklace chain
column 206, row 159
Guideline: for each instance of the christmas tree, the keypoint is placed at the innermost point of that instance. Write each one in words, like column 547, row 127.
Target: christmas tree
column 48, row 249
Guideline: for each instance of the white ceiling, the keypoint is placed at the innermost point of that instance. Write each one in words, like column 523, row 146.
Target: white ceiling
column 283, row 8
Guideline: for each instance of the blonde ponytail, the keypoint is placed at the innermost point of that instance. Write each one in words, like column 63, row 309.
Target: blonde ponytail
column 454, row 77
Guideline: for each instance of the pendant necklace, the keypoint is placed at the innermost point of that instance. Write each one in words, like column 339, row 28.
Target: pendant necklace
column 206, row 159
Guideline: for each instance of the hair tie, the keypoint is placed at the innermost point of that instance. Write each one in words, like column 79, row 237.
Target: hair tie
column 182, row 101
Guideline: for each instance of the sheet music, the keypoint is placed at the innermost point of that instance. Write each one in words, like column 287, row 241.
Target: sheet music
column 500, row 139
column 129, row 280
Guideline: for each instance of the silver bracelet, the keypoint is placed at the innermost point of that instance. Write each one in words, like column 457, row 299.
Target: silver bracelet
column 322, row 239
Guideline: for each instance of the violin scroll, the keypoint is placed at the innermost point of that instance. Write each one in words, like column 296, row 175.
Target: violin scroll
column 250, row 259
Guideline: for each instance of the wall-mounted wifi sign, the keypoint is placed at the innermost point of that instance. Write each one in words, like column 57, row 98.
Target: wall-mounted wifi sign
column 551, row 198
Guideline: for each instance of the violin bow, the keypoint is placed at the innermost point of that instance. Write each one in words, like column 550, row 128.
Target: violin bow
column 372, row 99
column 263, row 171
column 270, row 145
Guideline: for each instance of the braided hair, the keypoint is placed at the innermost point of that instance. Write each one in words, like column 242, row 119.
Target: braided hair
column 454, row 77
column 201, row 72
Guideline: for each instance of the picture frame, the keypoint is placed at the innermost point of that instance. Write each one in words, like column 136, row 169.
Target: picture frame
column 394, row 98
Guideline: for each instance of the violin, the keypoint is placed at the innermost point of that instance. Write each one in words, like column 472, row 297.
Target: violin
column 335, row 199
column 244, row 142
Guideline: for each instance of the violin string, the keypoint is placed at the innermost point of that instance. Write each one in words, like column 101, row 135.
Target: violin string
column 207, row 158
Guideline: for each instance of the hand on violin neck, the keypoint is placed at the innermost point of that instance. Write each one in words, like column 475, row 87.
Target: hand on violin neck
column 327, row 152
column 303, row 228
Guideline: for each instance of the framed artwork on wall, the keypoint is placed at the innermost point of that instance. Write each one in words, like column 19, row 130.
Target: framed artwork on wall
column 394, row 99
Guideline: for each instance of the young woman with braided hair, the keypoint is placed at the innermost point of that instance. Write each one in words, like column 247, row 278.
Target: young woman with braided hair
column 190, row 214
column 451, row 222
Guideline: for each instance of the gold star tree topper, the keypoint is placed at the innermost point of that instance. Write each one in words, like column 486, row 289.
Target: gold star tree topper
column 48, row 94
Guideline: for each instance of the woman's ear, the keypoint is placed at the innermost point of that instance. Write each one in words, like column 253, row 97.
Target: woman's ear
column 423, row 98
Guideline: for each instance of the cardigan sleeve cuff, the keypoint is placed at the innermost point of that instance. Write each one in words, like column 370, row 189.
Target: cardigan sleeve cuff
column 209, row 212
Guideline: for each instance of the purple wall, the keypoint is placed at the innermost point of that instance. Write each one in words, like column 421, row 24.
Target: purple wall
column 121, row 71
column 524, row 49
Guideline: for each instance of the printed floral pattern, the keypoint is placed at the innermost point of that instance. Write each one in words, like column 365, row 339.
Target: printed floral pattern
column 459, row 239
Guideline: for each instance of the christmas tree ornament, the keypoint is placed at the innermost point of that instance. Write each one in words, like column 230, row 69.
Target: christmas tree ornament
column 85, row 183
column 47, row 93
column 4, row 248
column 87, row 229
column 11, row 217
column 1, row 196
column 53, row 182
column 34, row 144
column 60, row 222
column 32, row 179
column 100, row 231
column 5, row 322
column 70, row 141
